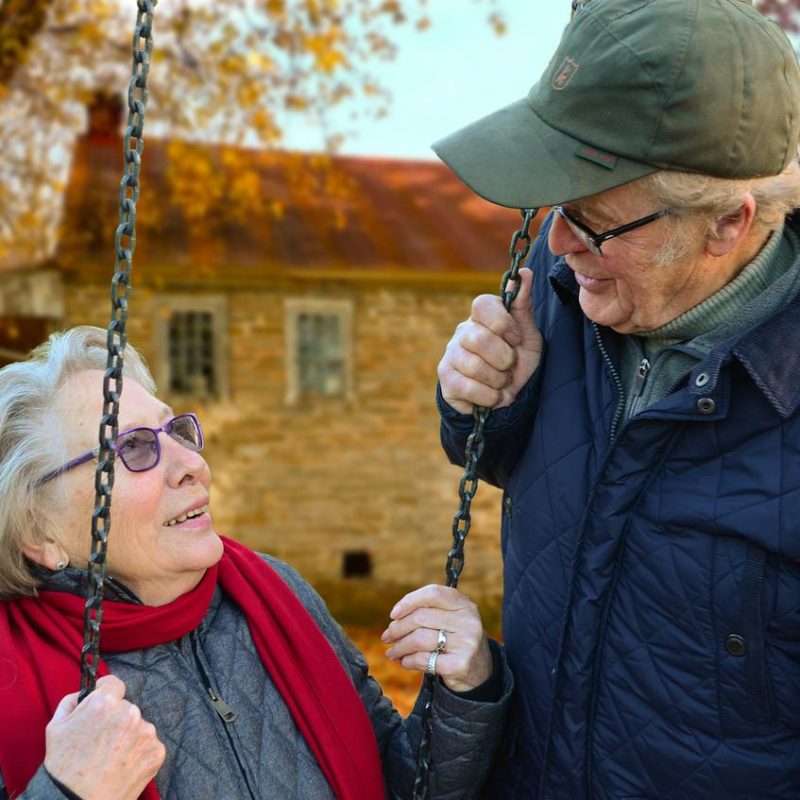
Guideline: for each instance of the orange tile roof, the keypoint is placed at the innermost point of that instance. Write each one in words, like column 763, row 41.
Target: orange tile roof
column 344, row 214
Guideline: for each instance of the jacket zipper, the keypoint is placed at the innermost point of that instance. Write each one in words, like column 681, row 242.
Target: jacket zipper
column 221, row 707
column 543, row 787
column 617, row 382
column 638, row 384
column 641, row 376
column 225, row 712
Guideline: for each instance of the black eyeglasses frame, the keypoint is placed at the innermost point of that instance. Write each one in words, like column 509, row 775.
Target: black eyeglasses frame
column 593, row 240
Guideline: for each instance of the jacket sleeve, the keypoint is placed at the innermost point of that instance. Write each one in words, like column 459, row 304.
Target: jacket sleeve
column 465, row 732
column 41, row 787
column 506, row 433
column 507, row 430
column 465, row 736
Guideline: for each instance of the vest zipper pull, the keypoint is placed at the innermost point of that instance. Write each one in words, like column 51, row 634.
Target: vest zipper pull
column 221, row 707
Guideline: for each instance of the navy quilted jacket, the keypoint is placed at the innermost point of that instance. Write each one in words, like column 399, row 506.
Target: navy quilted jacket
column 652, row 567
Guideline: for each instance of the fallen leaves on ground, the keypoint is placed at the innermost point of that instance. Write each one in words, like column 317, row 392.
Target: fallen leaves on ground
column 400, row 685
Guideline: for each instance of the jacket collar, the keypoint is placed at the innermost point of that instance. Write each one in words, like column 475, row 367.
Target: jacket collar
column 75, row 580
column 562, row 279
column 769, row 352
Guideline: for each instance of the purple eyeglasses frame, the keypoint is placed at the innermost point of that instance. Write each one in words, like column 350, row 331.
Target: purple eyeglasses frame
column 90, row 454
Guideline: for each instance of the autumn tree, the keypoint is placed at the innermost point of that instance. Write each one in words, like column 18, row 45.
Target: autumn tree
column 227, row 71
column 785, row 12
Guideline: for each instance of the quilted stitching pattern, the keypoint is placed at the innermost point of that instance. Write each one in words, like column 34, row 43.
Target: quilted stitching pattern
column 624, row 567
column 209, row 760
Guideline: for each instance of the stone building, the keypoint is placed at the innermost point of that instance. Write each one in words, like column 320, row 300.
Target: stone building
column 300, row 305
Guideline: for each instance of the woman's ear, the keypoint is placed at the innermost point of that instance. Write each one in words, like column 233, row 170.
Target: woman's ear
column 49, row 554
column 732, row 230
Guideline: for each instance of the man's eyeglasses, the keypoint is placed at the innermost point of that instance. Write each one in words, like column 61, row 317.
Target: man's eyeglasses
column 592, row 240
column 139, row 449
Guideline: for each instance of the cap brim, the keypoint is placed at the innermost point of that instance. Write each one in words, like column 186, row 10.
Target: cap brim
column 515, row 159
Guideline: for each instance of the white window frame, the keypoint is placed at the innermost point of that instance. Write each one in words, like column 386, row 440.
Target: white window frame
column 293, row 308
column 216, row 305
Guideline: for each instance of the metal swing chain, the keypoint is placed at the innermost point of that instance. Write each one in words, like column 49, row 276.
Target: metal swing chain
column 125, row 244
column 509, row 288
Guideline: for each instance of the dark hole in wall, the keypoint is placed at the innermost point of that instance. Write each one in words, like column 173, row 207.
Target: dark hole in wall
column 357, row 564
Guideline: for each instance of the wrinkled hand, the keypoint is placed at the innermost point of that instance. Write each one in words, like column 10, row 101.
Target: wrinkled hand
column 417, row 619
column 102, row 749
column 492, row 354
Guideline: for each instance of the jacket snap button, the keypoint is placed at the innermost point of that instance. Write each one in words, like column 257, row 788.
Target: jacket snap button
column 736, row 645
column 705, row 405
column 701, row 379
column 509, row 506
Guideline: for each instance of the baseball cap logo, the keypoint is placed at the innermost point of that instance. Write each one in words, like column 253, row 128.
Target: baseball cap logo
column 566, row 72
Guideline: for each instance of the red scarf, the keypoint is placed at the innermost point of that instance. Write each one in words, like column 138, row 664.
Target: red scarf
column 41, row 639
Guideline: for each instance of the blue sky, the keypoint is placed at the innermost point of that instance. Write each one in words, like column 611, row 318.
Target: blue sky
column 453, row 73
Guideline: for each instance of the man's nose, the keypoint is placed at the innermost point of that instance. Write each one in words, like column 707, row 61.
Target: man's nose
column 562, row 240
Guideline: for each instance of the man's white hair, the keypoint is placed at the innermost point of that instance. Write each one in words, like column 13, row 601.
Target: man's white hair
column 699, row 201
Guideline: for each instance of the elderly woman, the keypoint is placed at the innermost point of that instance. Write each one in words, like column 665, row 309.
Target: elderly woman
column 222, row 673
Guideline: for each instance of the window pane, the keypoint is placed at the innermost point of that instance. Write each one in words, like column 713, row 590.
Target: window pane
column 191, row 353
column 321, row 363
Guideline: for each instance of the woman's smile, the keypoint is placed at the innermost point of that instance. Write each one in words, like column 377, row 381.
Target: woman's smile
column 196, row 517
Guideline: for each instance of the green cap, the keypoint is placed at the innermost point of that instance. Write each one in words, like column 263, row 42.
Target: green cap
column 708, row 86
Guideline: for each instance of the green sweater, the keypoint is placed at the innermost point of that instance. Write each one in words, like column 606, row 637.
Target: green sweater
column 655, row 362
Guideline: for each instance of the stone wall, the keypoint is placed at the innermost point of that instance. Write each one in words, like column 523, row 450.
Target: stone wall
column 311, row 481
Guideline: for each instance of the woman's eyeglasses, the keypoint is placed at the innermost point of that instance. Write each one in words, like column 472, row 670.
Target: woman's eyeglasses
column 139, row 448
column 592, row 240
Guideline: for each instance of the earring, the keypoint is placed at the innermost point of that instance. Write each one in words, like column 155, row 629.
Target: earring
column 61, row 565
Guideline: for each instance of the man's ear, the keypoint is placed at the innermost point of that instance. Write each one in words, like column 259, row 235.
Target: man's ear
column 732, row 230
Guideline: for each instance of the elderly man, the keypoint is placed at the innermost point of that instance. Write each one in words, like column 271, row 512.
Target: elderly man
column 646, row 430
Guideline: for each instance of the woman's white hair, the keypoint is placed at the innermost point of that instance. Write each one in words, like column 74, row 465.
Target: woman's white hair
column 31, row 442
column 697, row 203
